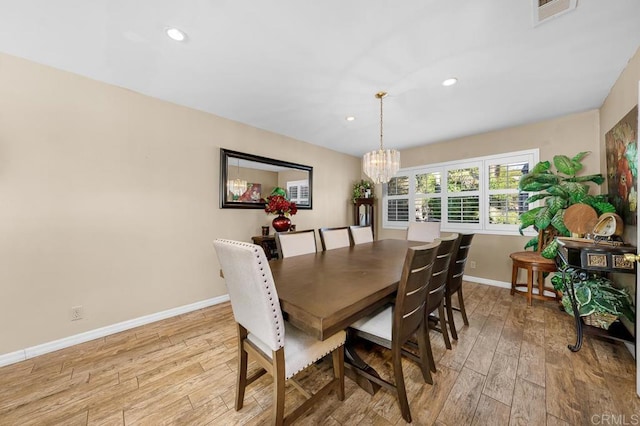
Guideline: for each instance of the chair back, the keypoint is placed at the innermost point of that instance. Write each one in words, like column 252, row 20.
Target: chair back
column 409, row 308
column 296, row 243
column 332, row 238
column 458, row 262
column 438, row 283
column 545, row 236
column 423, row 231
column 361, row 234
column 253, row 295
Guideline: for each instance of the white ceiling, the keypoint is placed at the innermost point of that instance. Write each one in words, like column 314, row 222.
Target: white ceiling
column 299, row 67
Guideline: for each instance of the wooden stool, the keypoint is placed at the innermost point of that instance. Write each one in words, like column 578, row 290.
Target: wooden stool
column 533, row 262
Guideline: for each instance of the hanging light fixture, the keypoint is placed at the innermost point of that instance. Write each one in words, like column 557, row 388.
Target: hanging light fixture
column 382, row 164
column 237, row 186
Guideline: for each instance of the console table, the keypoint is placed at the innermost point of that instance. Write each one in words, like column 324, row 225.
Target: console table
column 268, row 244
column 586, row 256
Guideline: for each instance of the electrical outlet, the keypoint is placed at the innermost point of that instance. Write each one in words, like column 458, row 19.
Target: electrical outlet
column 472, row 264
column 76, row 313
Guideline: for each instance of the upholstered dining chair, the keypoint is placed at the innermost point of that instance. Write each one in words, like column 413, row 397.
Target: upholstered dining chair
column 296, row 243
column 454, row 282
column 396, row 324
column 361, row 234
column 332, row 238
column 423, row 231
column 279, row 348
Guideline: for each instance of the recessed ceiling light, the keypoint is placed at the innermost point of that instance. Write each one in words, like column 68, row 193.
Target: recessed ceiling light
column 350, row 118
column 176, row 34
column 450, row 82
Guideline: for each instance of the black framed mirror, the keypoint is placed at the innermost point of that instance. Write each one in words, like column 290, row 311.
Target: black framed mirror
column 246, row 180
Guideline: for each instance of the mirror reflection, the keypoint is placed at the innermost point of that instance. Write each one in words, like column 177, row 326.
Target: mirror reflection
column 247, row 180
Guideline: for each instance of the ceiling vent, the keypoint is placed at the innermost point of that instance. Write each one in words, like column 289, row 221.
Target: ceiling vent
column 545, row 10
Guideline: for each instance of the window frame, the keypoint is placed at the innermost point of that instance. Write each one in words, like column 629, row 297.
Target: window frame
column 483, row 163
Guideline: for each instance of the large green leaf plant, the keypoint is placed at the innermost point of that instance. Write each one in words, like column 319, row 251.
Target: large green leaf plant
column 558, row 190
column 594, row 294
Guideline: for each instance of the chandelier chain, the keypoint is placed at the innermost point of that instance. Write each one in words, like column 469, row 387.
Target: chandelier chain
column 381, row 121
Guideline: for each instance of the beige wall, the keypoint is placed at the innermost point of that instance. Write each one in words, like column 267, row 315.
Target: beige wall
column 621, row 99
column 109, row 200
column 566, row 135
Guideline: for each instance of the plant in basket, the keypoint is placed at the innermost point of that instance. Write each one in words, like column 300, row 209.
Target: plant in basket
column 598, row 301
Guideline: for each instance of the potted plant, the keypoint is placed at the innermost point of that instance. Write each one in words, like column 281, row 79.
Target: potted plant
column 558, row 190
column 362, row 189
column 597, row 300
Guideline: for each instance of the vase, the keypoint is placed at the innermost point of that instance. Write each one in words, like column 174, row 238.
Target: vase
column 281, row 223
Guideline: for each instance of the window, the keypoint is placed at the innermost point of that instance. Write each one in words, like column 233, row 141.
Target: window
column 298, row 191
column 479, row 194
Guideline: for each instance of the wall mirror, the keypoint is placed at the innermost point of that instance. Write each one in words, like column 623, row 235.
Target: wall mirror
column 247, row 180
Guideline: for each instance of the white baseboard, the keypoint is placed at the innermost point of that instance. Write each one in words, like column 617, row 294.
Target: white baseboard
column 65, row 342
column 11, row 358
column 486, row 281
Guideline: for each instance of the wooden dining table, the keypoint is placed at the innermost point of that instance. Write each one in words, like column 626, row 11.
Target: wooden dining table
column 324, row 292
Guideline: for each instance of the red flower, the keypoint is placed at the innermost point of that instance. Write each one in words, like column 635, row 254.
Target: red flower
column 279, row 205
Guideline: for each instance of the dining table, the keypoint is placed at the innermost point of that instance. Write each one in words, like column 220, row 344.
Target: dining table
column 324, row 292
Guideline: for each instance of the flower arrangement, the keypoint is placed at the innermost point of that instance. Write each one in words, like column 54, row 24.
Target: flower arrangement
column 360, row 189
column 279, row 205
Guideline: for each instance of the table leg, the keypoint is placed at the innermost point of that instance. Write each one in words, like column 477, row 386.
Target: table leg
column 576, row 314
column 355, row 367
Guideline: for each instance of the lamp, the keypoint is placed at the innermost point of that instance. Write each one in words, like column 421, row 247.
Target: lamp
column 382, row 164
column 237, row 186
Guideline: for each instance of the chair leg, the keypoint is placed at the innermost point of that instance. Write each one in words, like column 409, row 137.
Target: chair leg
column 278, row 387
column 463, row 311
column 241, row 382
column 443, row 326
column 540, row 276
column 432, row 363
column 514, row 278
column 338, row 370
column 402, row 391
column 530, row 286
column 450, row 320
column 425, row 362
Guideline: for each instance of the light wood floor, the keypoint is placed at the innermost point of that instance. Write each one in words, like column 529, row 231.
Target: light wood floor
column 510, row 366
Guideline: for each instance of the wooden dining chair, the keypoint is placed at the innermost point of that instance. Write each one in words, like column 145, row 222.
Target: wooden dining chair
column 423, row 231
column 361, row 234
column 454, row 282
column 536, row 266
column 296, row 243
column 437, row 289
column 280, row 349
column 332, row 238
column 396, row 324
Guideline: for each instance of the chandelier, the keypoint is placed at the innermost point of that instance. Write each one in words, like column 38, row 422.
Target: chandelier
column 237, row 186
column 382, row 164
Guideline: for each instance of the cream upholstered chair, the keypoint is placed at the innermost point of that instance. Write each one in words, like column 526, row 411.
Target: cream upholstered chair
column 361, row 234
column 278, row 347
column 296, row 243
column 396, row 324
column 454, row 282
column 423, row 231
column 332, row 238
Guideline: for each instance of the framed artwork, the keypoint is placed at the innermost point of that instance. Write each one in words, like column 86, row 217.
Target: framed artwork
column 253, row 194
column 621, row 143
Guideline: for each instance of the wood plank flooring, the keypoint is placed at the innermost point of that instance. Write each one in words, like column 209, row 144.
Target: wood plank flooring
column 511, row 366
